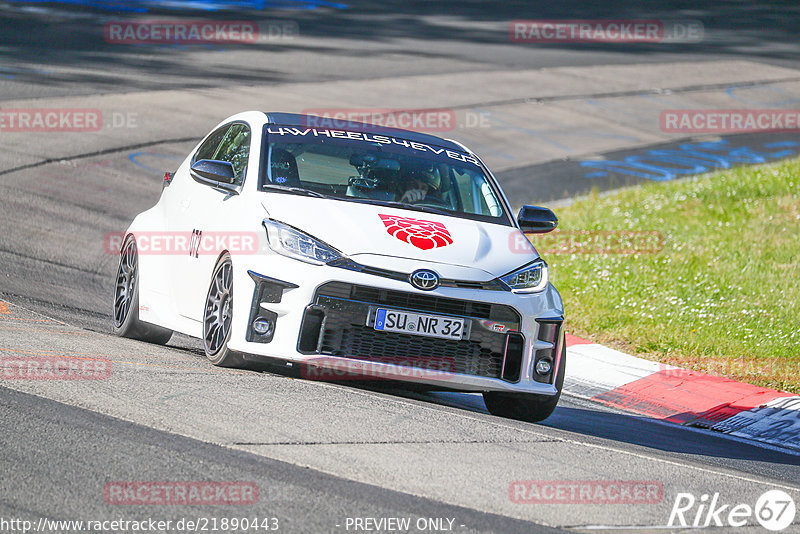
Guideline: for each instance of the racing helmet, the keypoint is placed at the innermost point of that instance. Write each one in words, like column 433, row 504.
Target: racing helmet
column 423, row 171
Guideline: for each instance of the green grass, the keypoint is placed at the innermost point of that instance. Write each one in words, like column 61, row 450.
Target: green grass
column 723, row 294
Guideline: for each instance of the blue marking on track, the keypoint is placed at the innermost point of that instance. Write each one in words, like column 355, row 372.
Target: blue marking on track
column 143, row 6
column 662, row 165
column 134, row 158
column 779, row 144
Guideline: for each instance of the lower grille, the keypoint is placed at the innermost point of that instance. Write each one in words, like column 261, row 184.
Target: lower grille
column 364, row 343
column 344, row 331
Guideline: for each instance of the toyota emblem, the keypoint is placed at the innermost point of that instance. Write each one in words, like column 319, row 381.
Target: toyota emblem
column 424, row 279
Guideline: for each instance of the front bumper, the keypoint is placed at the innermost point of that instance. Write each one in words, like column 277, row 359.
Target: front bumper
column 321, row 318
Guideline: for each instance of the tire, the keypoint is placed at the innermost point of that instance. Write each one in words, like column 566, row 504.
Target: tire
column 126, row 300
column 527, row 406
column 218, row 317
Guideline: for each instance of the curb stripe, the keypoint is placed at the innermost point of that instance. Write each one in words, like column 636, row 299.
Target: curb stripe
column 575, row 340
column 683, row 396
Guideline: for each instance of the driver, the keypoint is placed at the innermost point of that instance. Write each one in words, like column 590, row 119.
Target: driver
column 420, row 181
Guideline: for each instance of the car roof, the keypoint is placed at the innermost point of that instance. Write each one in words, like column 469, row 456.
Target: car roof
column 301, row 120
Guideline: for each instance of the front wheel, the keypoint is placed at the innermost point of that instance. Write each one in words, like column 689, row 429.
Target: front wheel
column 218, row 317
column 527, row 406
column 126, row 300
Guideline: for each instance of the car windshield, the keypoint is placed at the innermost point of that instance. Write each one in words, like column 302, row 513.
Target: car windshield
column 378, row 168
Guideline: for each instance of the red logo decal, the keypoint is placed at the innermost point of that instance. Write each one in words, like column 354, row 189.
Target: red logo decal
column 422, row 234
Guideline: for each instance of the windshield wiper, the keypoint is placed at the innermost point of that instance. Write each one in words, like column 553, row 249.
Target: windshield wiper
column 405, row 206
column 295, row 190
column 392, row 203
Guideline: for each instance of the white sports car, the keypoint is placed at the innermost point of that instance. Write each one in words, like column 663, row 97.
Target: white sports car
column 353, row 251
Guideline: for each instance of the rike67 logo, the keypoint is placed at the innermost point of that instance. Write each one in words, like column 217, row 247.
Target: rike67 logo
column 774, row 510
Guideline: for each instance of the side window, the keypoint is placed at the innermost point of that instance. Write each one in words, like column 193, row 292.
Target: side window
column 209, row 146
column 235, row 148
column 477, row 194
column 229, row 143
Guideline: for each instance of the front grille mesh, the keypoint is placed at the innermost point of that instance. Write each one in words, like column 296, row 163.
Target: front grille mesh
column 345, row 333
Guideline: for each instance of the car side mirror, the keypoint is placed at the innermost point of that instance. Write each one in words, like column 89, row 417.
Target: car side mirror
column 537, row 220
column 215, row 173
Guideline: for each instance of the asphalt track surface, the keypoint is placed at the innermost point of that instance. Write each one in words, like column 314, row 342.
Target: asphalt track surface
column 319, row 452
column 60, row 51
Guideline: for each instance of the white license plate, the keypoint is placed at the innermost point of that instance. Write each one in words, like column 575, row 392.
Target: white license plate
column 420, row 324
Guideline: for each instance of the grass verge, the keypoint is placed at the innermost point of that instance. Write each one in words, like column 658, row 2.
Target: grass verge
column 702, row 273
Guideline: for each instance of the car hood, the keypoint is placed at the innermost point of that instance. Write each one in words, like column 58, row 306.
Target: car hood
column 376, row 235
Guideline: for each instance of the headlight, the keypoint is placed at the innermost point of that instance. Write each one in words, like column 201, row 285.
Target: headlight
column 295, row 244
column 531, row 278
